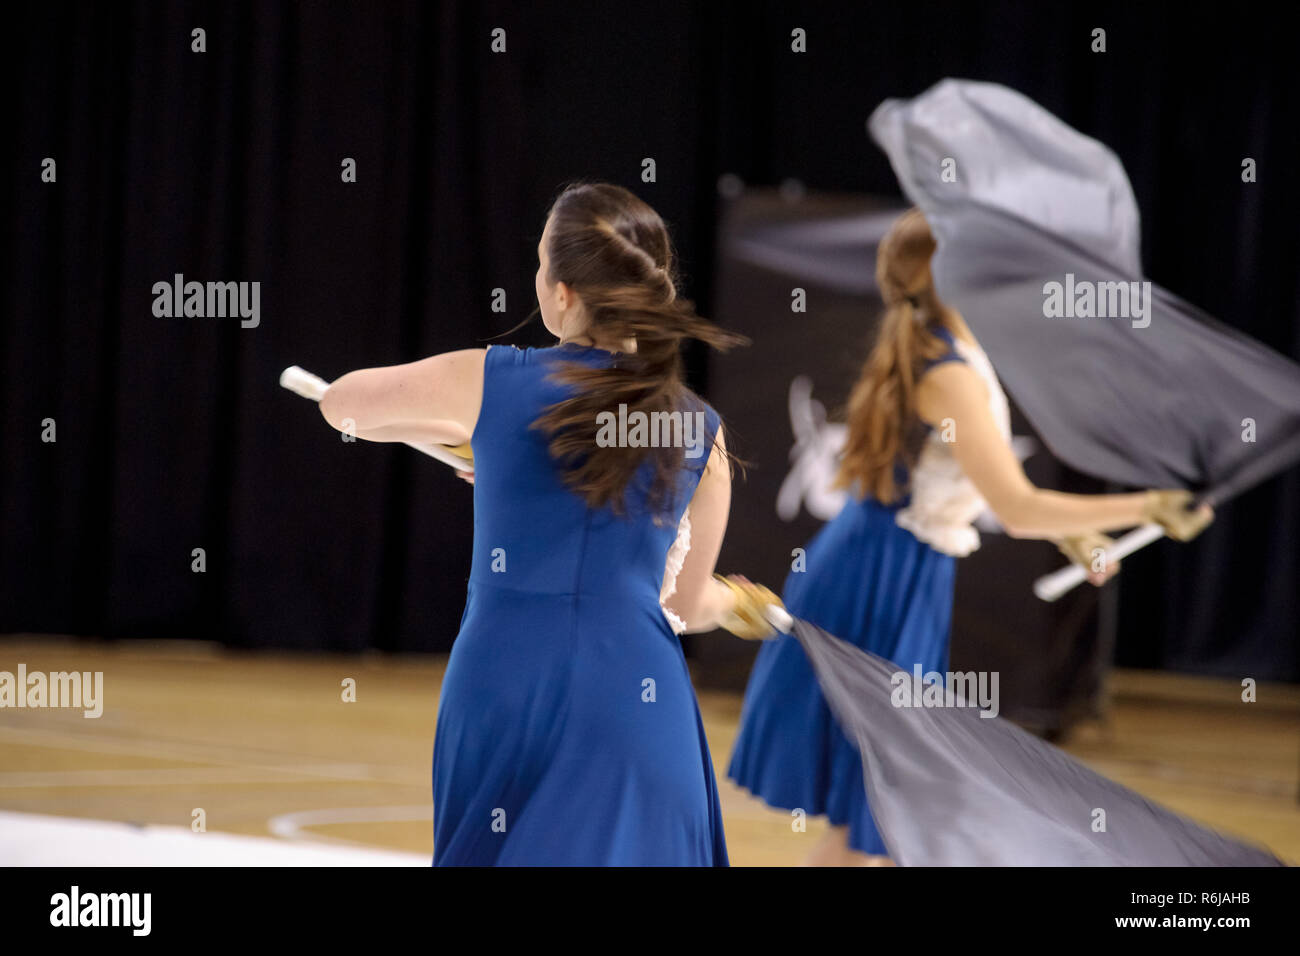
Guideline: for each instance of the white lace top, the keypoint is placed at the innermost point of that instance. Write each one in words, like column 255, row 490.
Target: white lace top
column 944, row 502
column 673, row 567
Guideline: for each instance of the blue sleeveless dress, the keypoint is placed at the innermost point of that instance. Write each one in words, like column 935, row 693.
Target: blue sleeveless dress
column 568, row 729
column 874, row 584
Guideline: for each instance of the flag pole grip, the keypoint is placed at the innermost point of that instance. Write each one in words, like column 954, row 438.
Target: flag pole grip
column 1052, row 586
column 779, row 618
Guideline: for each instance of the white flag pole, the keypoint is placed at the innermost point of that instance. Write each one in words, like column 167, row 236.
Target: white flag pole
column 1051, row 586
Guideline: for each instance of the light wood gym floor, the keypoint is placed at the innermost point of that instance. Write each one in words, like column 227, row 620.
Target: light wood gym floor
column 265, row 746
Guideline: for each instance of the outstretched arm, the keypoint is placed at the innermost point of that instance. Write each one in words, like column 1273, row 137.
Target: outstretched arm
column 435, row 400
column 953, row 391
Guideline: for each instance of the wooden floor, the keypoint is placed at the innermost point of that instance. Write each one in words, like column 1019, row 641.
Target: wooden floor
column 264, row 745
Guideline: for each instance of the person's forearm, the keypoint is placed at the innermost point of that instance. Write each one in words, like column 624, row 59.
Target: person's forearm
column 416, row 433
column 706, row 612
column 1050, row 514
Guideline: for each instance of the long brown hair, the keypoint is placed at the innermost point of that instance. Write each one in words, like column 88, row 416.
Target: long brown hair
column 883, row 427
column 614, row 251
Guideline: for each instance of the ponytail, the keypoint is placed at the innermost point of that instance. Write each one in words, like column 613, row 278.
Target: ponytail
column 614, row 251
column 884, row 430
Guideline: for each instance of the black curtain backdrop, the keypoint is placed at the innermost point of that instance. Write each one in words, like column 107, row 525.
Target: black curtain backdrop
column 172, row 433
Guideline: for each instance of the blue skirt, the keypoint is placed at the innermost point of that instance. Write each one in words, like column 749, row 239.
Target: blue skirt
column 872, row 583
column 569, row 735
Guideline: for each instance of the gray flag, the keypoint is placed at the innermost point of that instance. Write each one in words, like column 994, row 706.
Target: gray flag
column 948, row 787
column 1038, row 238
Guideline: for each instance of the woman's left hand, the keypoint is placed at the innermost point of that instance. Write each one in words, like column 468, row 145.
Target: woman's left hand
column 1088, row 551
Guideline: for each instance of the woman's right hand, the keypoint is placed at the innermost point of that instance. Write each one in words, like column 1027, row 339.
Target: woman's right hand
column 1088, row 551
column 747, row 618
column 1168, row 507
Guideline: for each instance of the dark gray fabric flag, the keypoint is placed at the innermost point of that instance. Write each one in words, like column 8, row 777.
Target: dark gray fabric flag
column 1038, row 249
column 948, row 787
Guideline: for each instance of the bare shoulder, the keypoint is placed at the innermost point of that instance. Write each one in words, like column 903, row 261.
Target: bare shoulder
column 461, row 367
column 719, row 440
column 718, row 464
column 450, row 382
column 948, row 389
column 469, row 358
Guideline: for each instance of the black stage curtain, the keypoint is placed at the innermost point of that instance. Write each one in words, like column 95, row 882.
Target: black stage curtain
column 172, row 433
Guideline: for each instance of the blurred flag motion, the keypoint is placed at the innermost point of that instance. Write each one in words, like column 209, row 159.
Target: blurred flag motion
column 1038, row 249
column 949, row 787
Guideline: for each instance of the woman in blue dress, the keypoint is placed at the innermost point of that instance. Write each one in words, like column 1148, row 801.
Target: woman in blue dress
column 928, row 449
column 568, row 730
